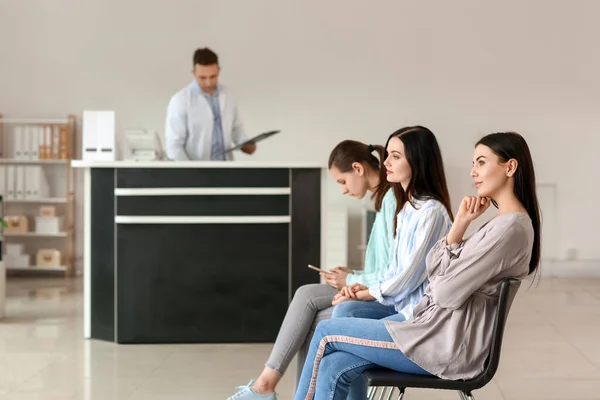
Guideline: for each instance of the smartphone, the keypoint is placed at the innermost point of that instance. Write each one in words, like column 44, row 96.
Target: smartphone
column 315, row 268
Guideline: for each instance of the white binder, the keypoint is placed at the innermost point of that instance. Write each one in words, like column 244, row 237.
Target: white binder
column 20, row 182
column 48, row 142
column 37, row 184
column 17, row 143
column 29, row 182
column 34, row 142
column 2, row 180
column 26, row 142
column 41, row 147
column 10, row 182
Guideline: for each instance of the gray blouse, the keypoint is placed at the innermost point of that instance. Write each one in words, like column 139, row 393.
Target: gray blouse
column 451, row 332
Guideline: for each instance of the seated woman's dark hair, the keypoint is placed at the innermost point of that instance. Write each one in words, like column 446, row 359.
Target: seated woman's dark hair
column 511, row 145
column 424, row 156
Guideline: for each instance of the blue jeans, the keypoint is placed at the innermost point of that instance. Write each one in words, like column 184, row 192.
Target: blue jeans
column 341, row 350
column 366, row 309
column 370, row 310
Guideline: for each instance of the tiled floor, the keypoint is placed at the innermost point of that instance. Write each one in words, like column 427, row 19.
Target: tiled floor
column 552, row 351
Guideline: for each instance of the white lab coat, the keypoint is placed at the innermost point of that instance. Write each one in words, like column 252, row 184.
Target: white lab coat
column 189, row 125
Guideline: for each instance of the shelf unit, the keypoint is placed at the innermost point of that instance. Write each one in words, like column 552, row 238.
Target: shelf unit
column 41, row 200
column 35, row 234
column 62, row 191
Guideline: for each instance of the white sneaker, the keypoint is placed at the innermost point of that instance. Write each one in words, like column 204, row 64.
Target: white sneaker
column 246, row 393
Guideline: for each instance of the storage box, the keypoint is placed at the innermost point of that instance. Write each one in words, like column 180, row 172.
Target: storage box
column 48, row 258
column 16, row 224
column 48, row 225
column 47, row 211
column 98, row 136
column 15, row 249
column 18, row 261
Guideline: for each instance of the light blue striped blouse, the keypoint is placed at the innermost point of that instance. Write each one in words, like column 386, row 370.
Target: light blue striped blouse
column 406, row 278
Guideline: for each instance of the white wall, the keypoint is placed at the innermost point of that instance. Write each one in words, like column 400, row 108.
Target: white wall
column 323, row 71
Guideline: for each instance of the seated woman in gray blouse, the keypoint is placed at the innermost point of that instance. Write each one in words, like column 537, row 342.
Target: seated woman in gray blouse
column 451, row 331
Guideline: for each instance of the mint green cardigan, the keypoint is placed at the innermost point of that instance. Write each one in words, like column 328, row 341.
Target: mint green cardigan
column 380, row 245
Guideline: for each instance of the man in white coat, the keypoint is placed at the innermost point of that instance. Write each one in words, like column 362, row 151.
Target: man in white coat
column 202, row 118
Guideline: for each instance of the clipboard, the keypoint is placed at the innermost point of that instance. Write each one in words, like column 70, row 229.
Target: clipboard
column 255, row 139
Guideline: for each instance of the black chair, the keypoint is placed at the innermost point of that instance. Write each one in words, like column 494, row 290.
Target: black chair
column 386, row 379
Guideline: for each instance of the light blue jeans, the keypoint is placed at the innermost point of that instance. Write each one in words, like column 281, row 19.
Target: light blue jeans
column 366, row 309
column 340, row 350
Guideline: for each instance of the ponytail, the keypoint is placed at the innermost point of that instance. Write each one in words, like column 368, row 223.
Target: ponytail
column 351, row 151
column 384, row 185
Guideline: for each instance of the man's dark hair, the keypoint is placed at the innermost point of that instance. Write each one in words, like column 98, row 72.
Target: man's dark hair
column 205, row 56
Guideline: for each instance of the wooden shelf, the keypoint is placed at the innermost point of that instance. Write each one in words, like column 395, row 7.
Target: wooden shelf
column 61, row 184
column 36, row 121
column 35, row 234
column 61, row 268
column 40, row 200
column 33, row 162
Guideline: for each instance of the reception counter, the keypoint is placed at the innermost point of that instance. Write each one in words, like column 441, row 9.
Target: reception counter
column 196, row 252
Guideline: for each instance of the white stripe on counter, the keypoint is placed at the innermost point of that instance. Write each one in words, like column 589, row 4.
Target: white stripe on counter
column 201, row 191
column 180, row 219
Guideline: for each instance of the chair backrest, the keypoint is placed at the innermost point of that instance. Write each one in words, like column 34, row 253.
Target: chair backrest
column 508, row 290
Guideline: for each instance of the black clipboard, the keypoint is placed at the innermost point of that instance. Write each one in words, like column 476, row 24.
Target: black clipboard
column 255, row 139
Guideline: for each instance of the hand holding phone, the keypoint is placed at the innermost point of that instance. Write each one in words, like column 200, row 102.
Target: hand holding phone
column 316, row 269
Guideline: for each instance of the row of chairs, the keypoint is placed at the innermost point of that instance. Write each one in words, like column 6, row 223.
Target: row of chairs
column 383, row 381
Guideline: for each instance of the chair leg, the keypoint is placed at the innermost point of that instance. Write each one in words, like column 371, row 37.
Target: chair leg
column 401, row 393
column 466, row 395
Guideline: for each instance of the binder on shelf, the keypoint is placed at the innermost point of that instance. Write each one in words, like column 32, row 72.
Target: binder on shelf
column 10, row 182
column 41, row 147
column 29, row 183
column 2, row 180
column 34, row 137
column 36, row 183
column 55, row 145
column 63, row 143
column 26, row 143
column 17, row 142
column 20, row 182
column 47, row 142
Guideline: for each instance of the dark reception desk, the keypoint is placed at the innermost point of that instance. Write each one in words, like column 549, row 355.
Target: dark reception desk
column 196, row 252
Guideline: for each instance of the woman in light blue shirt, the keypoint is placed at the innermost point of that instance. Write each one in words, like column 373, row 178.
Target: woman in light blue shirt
column 358, row 171
column 415, row 169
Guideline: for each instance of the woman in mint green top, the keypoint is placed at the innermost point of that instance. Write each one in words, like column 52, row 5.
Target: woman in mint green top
column 354, row 166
